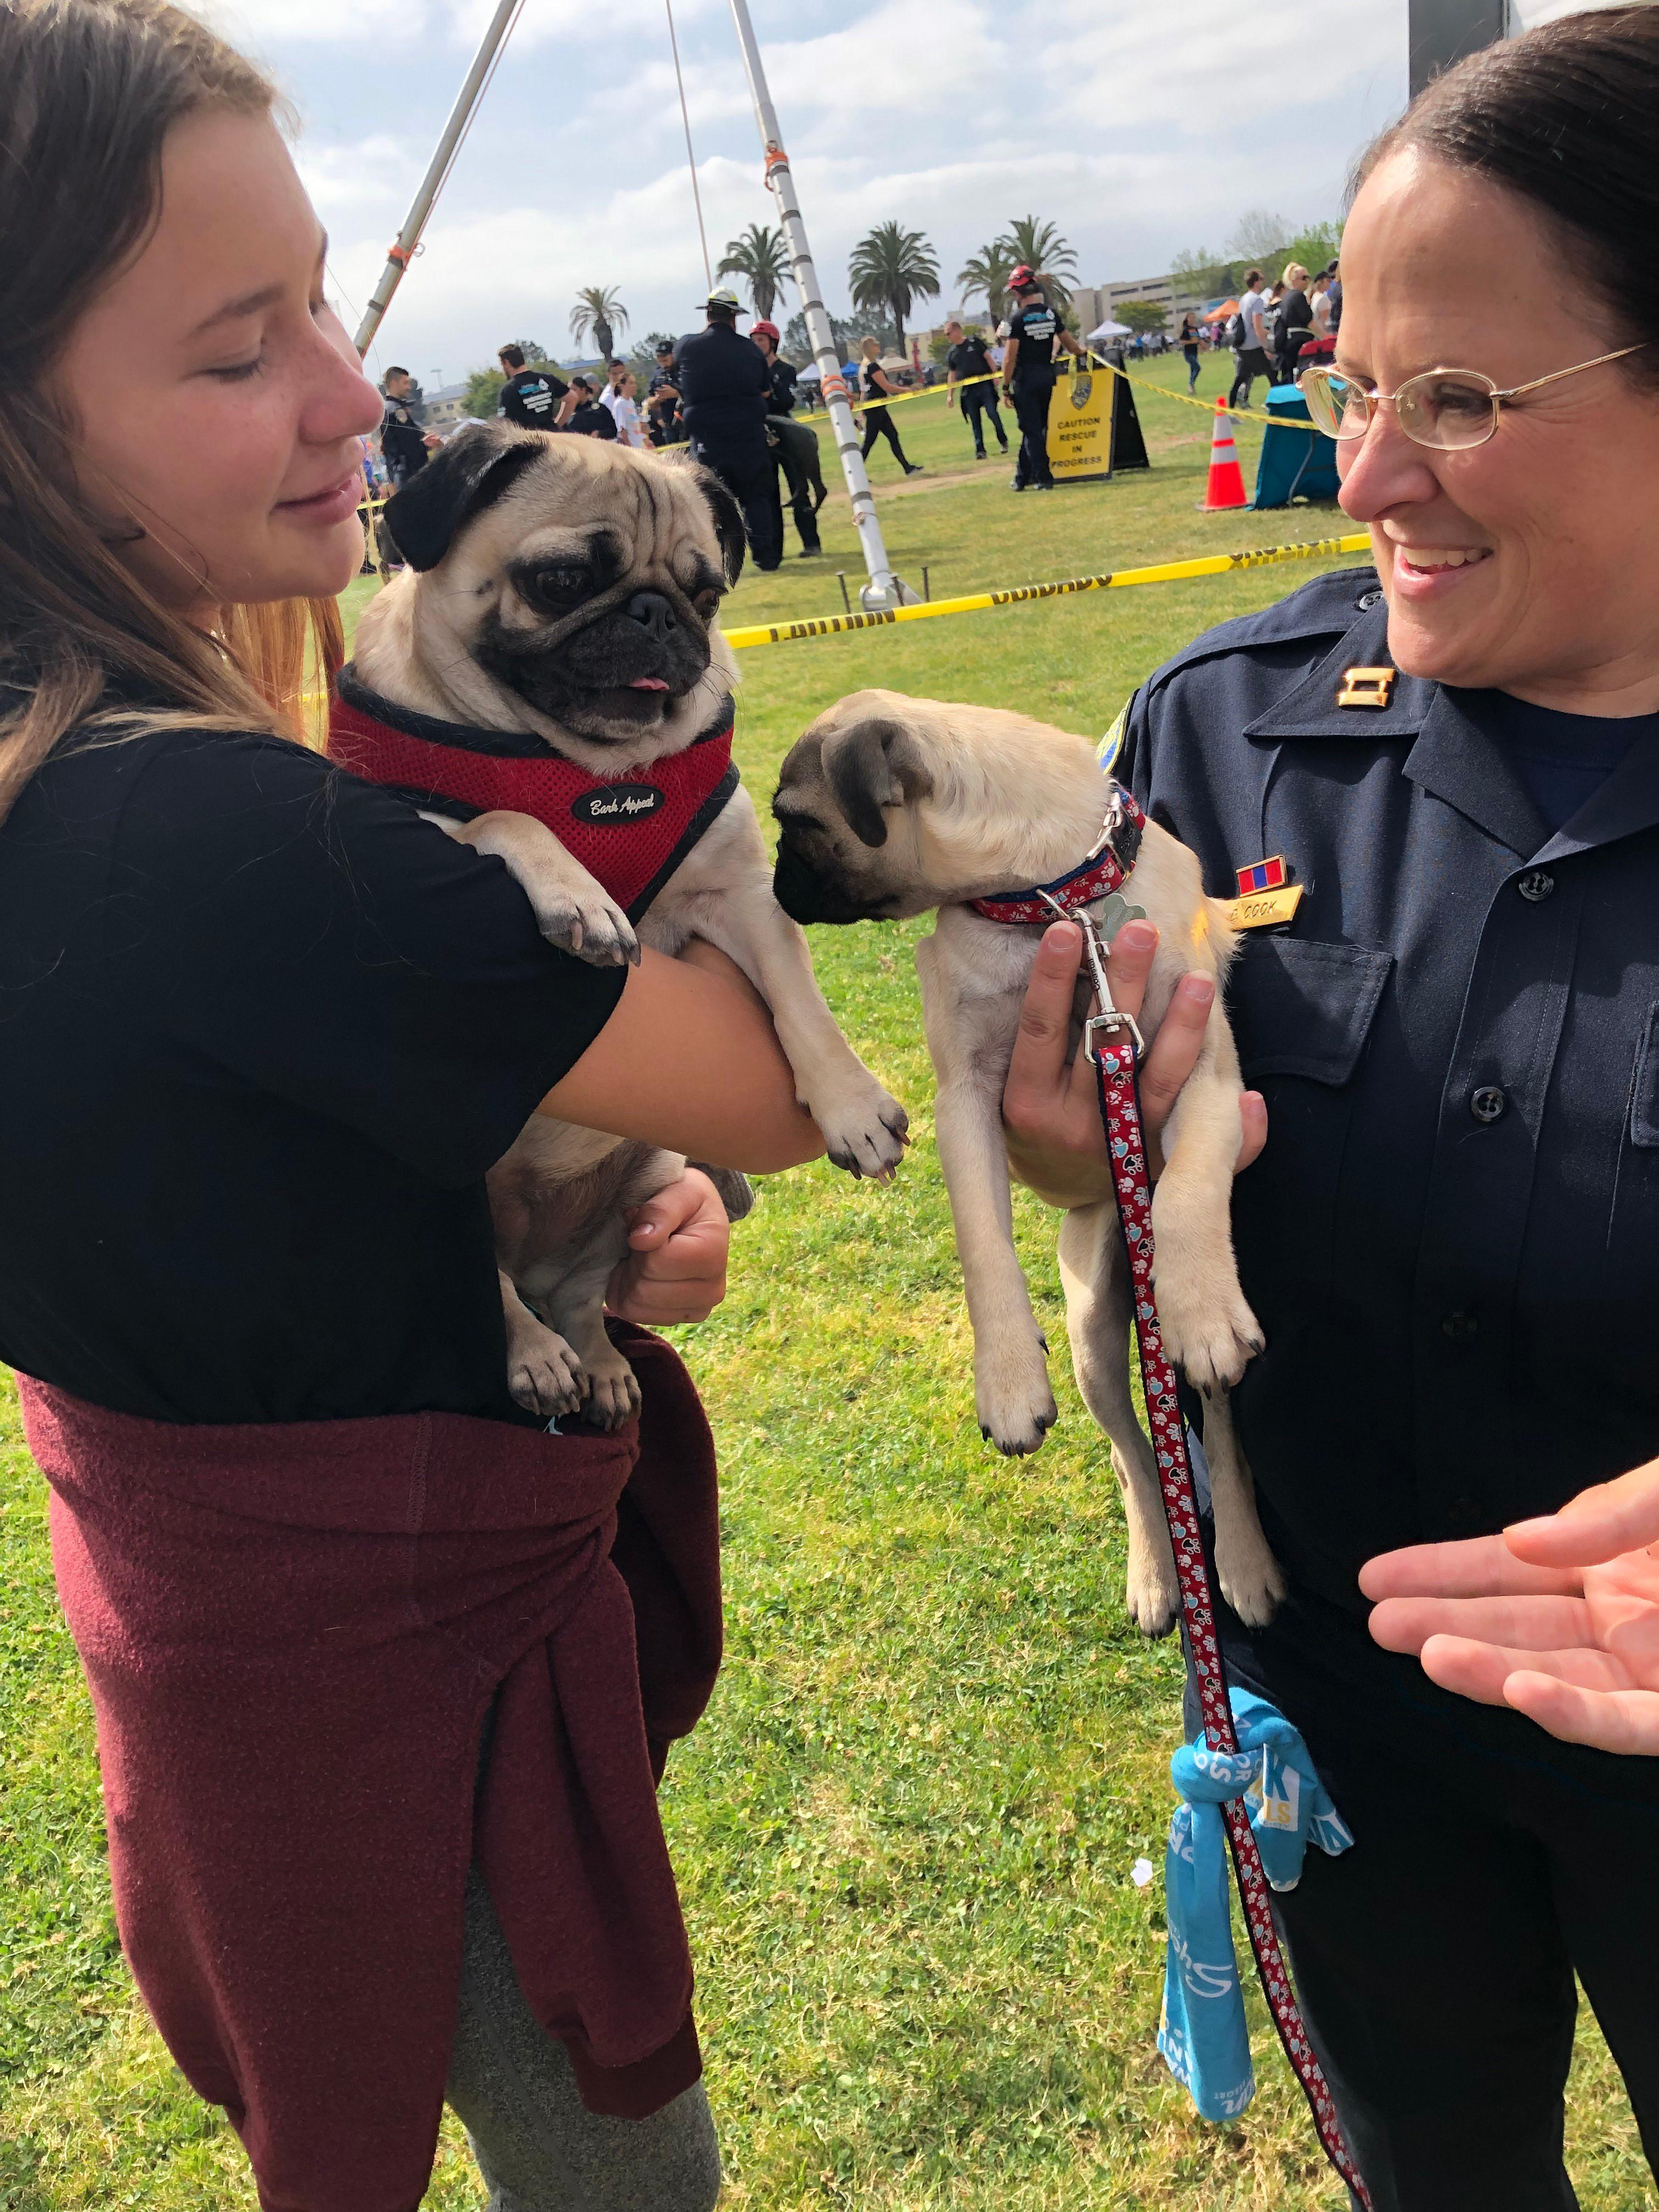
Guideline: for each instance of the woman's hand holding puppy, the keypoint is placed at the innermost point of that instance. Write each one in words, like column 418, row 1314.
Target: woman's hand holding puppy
column 1049, row 1110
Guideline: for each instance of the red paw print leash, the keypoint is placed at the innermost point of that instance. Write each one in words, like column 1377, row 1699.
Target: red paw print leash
column 1114, row 1043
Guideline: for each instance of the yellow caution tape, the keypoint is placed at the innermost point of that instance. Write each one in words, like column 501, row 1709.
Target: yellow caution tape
column 1094, row 361
column 1164, row 572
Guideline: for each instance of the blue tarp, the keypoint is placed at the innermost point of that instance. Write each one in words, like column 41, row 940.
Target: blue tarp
column 1293, row 465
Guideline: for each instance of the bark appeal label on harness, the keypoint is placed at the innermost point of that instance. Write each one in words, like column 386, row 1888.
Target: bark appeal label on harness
column 614, row 805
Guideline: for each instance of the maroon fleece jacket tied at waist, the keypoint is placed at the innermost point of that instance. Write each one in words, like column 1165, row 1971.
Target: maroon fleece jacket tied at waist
column 293, row 1634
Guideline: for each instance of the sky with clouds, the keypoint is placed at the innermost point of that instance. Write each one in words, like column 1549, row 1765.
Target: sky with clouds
column 1139, row 126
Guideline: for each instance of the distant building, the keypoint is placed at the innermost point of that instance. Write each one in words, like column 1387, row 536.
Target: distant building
column 444, row 410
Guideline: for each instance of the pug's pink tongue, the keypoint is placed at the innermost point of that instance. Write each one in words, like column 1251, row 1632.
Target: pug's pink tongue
column 647, row 684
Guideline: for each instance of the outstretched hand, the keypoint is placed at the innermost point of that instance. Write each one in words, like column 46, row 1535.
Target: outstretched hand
column 1051, row 1111
column 678, row 1242
column 1558, row 1618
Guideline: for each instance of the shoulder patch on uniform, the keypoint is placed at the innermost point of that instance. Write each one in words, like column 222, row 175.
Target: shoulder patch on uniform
column 1111, row 744
column 1327, row 606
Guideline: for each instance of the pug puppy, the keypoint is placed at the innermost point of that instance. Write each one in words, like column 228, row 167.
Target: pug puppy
column 561, row 599
column 890, row 807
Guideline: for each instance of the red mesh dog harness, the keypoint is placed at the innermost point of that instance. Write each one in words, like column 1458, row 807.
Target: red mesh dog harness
column 629, row 830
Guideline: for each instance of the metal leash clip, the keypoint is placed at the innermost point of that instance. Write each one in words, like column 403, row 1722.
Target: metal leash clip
column 1107, row 1017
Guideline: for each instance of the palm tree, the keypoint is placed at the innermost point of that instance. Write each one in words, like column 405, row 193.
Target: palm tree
column 987, row 272
column 1041, row 246
column 761, row 259
column 890, row 268
column 598, row 309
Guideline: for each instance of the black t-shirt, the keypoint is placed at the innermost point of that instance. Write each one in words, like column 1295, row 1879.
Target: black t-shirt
column 531, row 398
column 1562, row 759
column 264, row 1031
column 1038, row 330
column 968, row 357
column 781, row 400
column 873, row 394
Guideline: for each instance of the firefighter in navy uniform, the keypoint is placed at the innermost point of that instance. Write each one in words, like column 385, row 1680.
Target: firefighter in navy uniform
column 530, row 397
column 1035, row 334
column 725, row 389
column 404, row 444
column 794, row 444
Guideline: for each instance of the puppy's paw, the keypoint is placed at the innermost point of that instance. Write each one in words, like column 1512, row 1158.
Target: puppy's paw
column 1249, row 1573
column 1209, row 1331
column 1152, row 1592
column 585, row 922
column 544, row 1375
column 613, row 1394
column 863, row 1128
column 1011, row 1393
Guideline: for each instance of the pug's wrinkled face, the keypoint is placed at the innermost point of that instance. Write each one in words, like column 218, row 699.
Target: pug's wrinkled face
column 581, row 579
column 848, row 845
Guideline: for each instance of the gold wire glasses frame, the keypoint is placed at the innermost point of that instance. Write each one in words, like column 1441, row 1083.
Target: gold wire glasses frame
column 1450, row 408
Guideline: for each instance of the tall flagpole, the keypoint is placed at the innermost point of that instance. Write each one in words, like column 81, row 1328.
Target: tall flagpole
column 401, row 252
column 883, row 589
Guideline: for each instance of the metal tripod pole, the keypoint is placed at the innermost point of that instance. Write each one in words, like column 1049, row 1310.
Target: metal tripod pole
column 402, row 252
column 883, row 589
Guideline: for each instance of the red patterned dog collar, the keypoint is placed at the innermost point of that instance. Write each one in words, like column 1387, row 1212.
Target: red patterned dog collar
column 1096, row 876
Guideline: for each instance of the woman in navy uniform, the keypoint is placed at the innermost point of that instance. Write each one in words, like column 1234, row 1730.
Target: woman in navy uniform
column 1451, row 1006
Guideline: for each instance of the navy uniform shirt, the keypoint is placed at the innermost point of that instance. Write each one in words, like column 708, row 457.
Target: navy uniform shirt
column 781, row 396
column 402, row 442
column 1452, row 1237
column 725, row 388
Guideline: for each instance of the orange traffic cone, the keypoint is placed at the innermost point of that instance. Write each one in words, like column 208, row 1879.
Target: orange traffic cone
column 1226, row 485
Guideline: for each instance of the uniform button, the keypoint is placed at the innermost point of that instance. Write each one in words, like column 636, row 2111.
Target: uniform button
column 1537, row 884
column 1488, row 1103
column 1461, row 1328
column 1367, row 600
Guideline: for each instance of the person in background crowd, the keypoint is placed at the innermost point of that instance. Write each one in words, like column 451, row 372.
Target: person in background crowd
column 1035, row 333
column 1292, row 322
column 609, row 390
column 624, row 410
column 968, row 361
column 1333, row 270
column 999, row 345
column 725, row 388
column 794, row 446
column 663, row 422
column 1319, row 299
column 877, row 389
column 1252, row 341
column 580, row 411
column 403, row 444
column 1188, row 341
column 530, row 397
column 1451, row 1236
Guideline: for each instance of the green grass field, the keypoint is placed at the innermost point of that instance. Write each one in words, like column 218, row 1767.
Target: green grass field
column 904, row 1832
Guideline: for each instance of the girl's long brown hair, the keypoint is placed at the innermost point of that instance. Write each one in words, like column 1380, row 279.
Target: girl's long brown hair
column 89, row 91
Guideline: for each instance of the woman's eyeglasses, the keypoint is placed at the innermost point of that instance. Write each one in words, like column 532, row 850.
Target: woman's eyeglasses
column 1449, row 409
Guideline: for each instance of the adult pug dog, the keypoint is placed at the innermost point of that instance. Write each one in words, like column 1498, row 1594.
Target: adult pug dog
column 554, row 640
column 889, row 806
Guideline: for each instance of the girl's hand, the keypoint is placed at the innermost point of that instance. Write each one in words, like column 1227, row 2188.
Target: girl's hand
column 676, row 1266
column 1557, row 1617
column 1050, row 1108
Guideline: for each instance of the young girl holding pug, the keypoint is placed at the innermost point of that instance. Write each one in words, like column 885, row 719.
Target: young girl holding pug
column 384, row 1673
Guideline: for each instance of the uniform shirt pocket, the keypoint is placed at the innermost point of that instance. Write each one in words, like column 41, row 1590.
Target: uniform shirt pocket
column 1302, row 1008
column 1645, row 1090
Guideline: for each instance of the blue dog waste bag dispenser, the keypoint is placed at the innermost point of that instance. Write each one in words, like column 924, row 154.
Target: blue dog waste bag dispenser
column 1294, row 464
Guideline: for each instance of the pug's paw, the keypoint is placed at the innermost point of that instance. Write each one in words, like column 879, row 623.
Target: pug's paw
column 1208, row 1330
column 613, row 1394
column 582, row 919
column 1151, row 1593
column 544, row 1375
column 865, row 1130
column 1011, row 1393
column 1245, row 1567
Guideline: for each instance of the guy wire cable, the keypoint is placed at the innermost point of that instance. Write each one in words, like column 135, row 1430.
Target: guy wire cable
column 691, row 159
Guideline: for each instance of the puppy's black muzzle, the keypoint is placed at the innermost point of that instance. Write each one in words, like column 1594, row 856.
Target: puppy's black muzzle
column 807, row 896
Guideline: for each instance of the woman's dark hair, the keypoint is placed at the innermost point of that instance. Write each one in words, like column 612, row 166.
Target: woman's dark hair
column 88, row 92
column 1566, row 115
